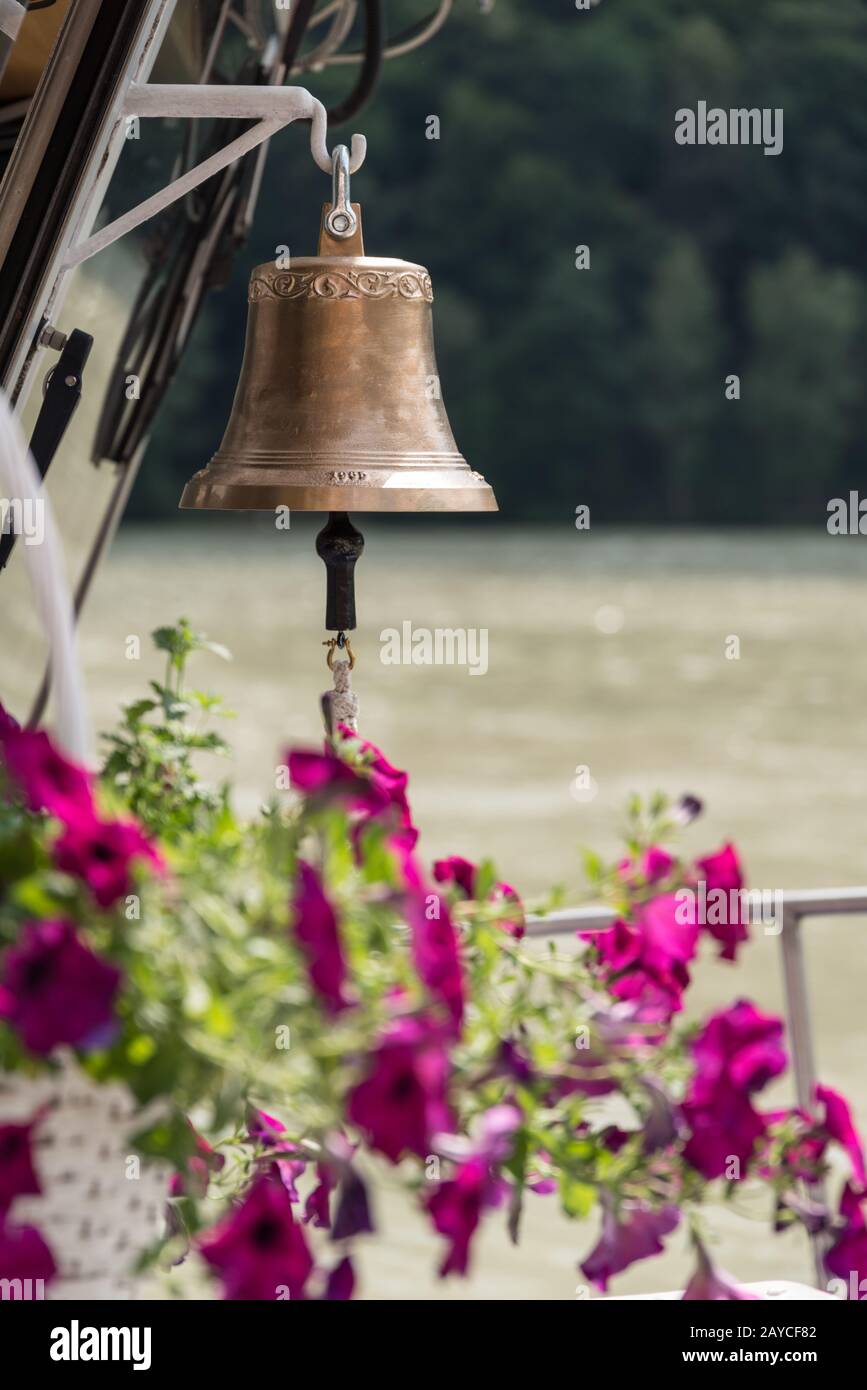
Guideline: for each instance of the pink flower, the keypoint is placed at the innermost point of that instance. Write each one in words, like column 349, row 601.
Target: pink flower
column 712, row 1285
column 802, row 1157
column 353, row 1216
column 102, row 853
column 515, row 923
column 721, row 872
column 198, row 1167
column 463, row 873
column 265, row 1129
column 317, row 1207
column 288, row 1171
column 402, row 843
column 722, row 869
column 457, row 870
column 848, row 1254
column 667, row 944
column 17, row 1173
column 388, row 780
column 633, row 1234
column 55, row 990
column 723, row 1129
column 645, row 961
column 401, row 1103
column 436, row 952
column 259, row 1251
column 24, row 1254
column 738, row 1052
column 48, row 780
column 457, row 1204
column 739, row 1045
column 839, row 1125
column 655, row 865
column 456, row 1208
column 329, row 778
column 314, row 924
column 341, row 1281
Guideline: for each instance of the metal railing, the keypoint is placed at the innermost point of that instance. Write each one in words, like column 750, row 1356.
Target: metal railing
column 796, row 908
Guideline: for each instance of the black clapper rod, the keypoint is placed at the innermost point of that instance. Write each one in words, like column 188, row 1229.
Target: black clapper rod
column 339, row 545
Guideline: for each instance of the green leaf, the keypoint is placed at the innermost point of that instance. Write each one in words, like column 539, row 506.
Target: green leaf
column 577, row 1198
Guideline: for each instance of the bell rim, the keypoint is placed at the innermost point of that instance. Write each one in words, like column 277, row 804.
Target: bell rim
column 210, row 494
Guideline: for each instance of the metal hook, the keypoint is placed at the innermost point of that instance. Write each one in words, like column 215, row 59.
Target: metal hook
column 319, row 143
column 340, row 221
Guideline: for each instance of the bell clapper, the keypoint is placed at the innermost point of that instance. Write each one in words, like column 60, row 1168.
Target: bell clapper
column 340, row 544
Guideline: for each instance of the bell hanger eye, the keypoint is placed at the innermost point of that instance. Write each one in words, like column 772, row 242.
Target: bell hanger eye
column 340, row 220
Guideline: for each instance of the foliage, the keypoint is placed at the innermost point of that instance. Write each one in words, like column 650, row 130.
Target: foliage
column 320, row 1007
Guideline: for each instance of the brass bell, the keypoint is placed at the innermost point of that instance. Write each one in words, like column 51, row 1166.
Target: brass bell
column 338, row 405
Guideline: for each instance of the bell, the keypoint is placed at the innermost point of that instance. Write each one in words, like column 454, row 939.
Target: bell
column 338, row 405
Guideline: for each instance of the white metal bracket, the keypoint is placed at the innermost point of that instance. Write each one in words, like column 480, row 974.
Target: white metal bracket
column 274, row 107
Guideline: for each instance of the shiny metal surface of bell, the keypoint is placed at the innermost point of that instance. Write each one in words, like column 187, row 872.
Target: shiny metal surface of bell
column 338, row 405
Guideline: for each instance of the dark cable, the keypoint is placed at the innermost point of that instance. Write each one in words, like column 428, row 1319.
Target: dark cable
column 374, row 43
column 301, row 17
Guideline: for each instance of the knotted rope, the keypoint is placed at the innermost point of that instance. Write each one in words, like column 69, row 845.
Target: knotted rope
column 340, row 705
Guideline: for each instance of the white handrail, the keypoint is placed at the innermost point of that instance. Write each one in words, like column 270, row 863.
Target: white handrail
column 20, row 482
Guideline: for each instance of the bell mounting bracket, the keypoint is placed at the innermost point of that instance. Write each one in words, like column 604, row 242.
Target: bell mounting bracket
column 272, row 108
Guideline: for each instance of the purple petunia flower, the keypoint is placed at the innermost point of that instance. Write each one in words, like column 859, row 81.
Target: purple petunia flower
column 847, row 1257
column 389, row 781
column 436, row 952
column 645, row 961
column 738, row 1052
column 259, row 1250
column 712, row 1285
column 634, row 1233
column 722, row 872
column 314, row 925
column 47, row 779
column 55, row 990
column 317, row 1208
column 458, row 870
column 462, row 873
column 24, row 1254
column 456, row 1209
column 353, row 1216
column 341, row 1281
column 17, row 1174
column 102, row 853
column 655, row 864
column 839, row 1125
column 329, row 778
column 401, row 1103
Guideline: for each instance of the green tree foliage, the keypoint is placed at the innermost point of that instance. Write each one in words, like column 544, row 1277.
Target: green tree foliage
column 603, row 385
column 805, row 379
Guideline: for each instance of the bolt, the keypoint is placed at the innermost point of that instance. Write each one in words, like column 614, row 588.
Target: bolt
column 51, row 337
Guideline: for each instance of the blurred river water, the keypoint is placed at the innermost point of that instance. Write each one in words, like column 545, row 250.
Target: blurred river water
column 733, row 666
